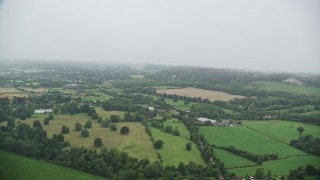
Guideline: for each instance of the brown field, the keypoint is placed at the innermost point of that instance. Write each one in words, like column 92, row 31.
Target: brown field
column 195, row 92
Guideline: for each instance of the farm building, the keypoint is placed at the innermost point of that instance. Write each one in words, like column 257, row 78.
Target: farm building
column 203, row 120
column 42, row 111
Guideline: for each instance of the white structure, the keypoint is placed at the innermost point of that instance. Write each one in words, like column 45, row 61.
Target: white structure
column 203, row 120
column 293, row 81
column 151, row 108
column 42, row 111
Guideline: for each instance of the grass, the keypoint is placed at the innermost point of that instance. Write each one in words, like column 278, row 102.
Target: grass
column 283, row 130
column 174, row 122
column 137, row 76
column 280, row 167
column 107, row 114
column 246, row 139
column 136, row 144
column 174, row 151
column 282, row 87
column 232, row 160
column 65, row 91
column 14, row 166
column 179, row 104
column 6, row 90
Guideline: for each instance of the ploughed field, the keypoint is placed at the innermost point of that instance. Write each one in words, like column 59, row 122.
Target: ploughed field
column 261, row 137
column 202, row 93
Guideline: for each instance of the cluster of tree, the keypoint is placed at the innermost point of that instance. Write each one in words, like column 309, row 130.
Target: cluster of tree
column 301, row 172
column 168, row 128
column 109, row 163
column 258, row 158
column 308, row 144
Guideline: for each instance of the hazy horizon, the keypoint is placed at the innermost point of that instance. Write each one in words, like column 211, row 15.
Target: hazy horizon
column 273, row 36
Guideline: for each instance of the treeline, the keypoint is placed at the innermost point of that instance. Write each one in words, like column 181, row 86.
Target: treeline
column 308, row 144
column 258, row 158
column 109, row 163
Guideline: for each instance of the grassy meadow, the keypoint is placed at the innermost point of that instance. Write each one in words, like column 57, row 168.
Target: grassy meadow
column 174, row 150
column 174, row 122
column 179, row 104
column 107, row 114
column 231, row 160
column 137, row 143
column 14, row 166
column 282, row 87
column 283, row 130
column 246, row 139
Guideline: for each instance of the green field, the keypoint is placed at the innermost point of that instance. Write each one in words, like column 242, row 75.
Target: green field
column 173, row 150
column 4, row 90
column 107, row 114
column 13, row 166
column 137, row 143
column 282, row 87
column 230, row 160
column 179, row 104
column 174, row 122
column 280, row 167
column 283, row 130
column 246, row 139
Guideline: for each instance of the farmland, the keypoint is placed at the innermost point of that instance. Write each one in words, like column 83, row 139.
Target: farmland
column 173, row 151
column 231, row 160
column 13, row 166
column 10, row 92
column 281, row 87
column 137, row 143
column 249, row 140
column 195, row 92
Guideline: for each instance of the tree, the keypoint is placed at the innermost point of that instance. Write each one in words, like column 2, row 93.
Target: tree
column 85, row 133
column 94, row 116
column 188, row 146
column 127, row 116
column 64, row 130
column 11, row 122
column 124, row 130
column 311, row 170
column 88, row 124
column 158, row 144
column 105, row 123
column 176, row 132
column 259, row 173
column 78, row 126
column 50, row 116
column 46, row 121
column 98, row 142
column 114, row 118
column 300, row 130
column 37, row 123
column 113, row 127
column 168, row 129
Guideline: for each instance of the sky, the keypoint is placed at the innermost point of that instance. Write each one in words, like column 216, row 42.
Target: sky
column 273, row 35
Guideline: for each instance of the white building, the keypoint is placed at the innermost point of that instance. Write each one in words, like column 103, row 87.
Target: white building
column 293, row 81
column 42, row 111
column 203, row 120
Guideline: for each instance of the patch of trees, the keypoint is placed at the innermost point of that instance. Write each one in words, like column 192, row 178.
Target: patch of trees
column 124, row 130
column 308, row 144
column 301, row 172
column 158, row 144
column 168, row 128
column 258, row 158
column 110, row 163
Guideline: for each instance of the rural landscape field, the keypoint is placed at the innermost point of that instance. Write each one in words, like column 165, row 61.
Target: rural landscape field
column 136, row 124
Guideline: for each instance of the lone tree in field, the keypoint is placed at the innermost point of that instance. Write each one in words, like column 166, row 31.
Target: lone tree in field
column 46, row 121
column 188, row 146
column 98, row 142
column 85, row 133
column 114, row 118
column 64, row 130
column 88, row 124
column 158, row 144
column 124, row 130
column 300, row 130
column 37, row 123
column 113, row 127
column 78, row 126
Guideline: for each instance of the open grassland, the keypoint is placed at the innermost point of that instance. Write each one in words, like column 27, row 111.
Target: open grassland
column 64, row 91
column 245, row 139
column 107, row 114
column 179, row 104
column 280, row 167
column 282, row 87
column 106, row 84
column 283, row 130
column 14, row 166
column 37, row 90
column 204, row 94
column 6, row 90
column 96, row 96
column 174, row 150
column 137, row 76
column 232, row 160
column 137, row 143
column 174, row 122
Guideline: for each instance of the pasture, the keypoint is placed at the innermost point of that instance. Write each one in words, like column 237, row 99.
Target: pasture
column 202, row 93
column 174, row 122
column 282, row 87
column 280, row 167
column 231, row 160
column 107, row 114
column 174, row 150
column 283, row 130
column 11, row 92
column 137, row 143
column 14, row 166
column 245, row 139
column 179, row 104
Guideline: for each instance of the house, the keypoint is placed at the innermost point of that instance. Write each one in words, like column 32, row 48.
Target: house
column 203, row 120
column 43, row 111
column 72, row 85
column 294, row 81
